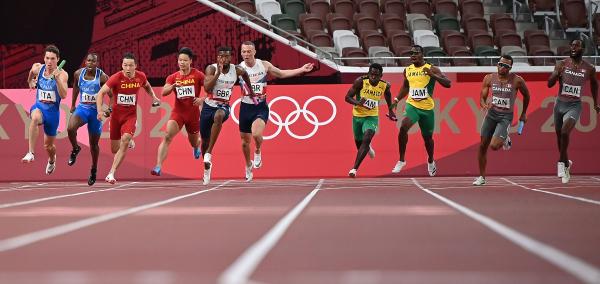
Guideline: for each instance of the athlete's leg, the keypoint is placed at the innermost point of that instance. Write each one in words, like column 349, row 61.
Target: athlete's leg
column 122, row 145
column 364, row 147
column 258, row 127
column 482, row 154
column 74, row 123
column 163, row 148
column 218, row 119
column 565, row 133
column 403, row 136
column 246, row 141
column 36, row 120
column 429, row 147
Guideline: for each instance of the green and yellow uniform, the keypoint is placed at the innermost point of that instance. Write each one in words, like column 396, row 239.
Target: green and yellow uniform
column 419, row 103
column 367, row 118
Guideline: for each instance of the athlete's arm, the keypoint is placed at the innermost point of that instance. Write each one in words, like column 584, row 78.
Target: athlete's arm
column 522, row 87
column 594, row 88
column 33, row 73
column 168, row 87
column 75, row 92
column 403, row 90
column 150, row 91
column 61, row 77
column 99, row 100
column 278, row 73
column 210, row 79
column 353, row 91
column 437, row 75
column 103, row 80
column 558, row 68
column 240, row 71
column 483, row 94
column 388, row 99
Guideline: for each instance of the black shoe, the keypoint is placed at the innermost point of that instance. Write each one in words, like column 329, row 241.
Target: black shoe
column 73, row 157
column 92, row 178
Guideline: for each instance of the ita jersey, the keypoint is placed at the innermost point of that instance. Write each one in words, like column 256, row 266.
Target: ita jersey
column 224, row 87
column 421, row 86
column 372, row 95
column 572, row 81
column 503, row 94
column 258, row 79
column 88, row 89
column 47, row 97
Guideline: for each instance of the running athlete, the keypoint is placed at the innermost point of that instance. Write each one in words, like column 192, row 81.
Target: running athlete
column 503, row 87
column 124, row 86
column 365, row 95
column 253, row 118
column 51, row 86
column 218, row 83
column 572, row 73
column 186, row 84
column 419, row 82
column 87, row 82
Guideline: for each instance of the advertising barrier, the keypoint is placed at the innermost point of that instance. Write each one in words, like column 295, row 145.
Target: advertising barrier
column 309, row 134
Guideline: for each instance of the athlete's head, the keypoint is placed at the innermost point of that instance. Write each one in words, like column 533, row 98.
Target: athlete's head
column 184, row 58
column 224, row 55
column 129, row 64
column 248, row 51
column 91, row 61
column 375, row 73
column 577, row 48
column 51, row 56
column 416, row 55
column 505, row 64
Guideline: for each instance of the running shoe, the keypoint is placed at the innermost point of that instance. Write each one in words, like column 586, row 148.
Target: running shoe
column 567, row 175
column 110, row 178
column 50, row 167
column 507, row 143
column 92, row 177
column 479, row 181
column 249, row 174
column 197, row 153
column 29, row 157
column 560, row 168
column 398, row 167
column 73, row 156
column 155, row 171
column 352, row 173
column 257, row 161
column 432, row 168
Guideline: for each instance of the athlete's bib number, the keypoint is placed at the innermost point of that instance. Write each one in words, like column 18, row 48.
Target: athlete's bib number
column 501, row 102
column 46, row 96
column 127, row 100
column 223, row 94
column 88, row 98
column 185, row 92
column 573, row 91
column 370, row 104
column 419, row 93
column 257, row 88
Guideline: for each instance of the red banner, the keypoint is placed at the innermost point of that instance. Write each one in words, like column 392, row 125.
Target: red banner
column 309, row 134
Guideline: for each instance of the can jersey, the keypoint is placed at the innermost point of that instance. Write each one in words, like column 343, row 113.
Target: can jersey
column 223, row 89
column 372, row 95
column 503, row 94
column 125, row 90
column 258, row 79
column 421, row 87
column 190, row 86
column 572, row 80
column 46, row 97
column 88, row 89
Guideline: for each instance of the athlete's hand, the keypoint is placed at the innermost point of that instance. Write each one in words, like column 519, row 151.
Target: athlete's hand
column 32, row 83
column 485, row 105
column 307, row 67
column 101, row 116
column 155, row 103
column 198, row 101
column 392, row 116
column 523, row 117
column 362, row 103
column 72, row 109
column 427, row 71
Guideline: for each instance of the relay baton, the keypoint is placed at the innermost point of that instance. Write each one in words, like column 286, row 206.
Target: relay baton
column 60, row 66
column 520, row 128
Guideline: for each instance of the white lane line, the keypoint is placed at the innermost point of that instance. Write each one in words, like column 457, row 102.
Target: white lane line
column 242, row 268
column 571, row 264
column 27, row 239
column 598, row 179
column 20, row 203
column 554, row 193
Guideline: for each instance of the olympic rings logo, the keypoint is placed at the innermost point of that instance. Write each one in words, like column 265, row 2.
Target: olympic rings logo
column 293, row 116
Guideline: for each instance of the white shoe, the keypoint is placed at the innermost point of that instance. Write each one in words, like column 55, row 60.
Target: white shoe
column 131, row 144
column 110, row 178
column 257, row 161
column 371, row 152
column 432, row 169
column 206, row 178
column 352, row 173
column 207, row 160
column 399, row 165
column 50, row 167
column 560, row 168
column 249, row 174
column 566, row 175
column 479, row 181
column 507, row 143
column 29, row 157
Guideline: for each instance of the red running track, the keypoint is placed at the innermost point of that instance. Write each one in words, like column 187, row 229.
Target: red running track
column 380, row 230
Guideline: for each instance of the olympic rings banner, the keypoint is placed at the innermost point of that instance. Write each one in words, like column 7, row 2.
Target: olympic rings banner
column 309, row 134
